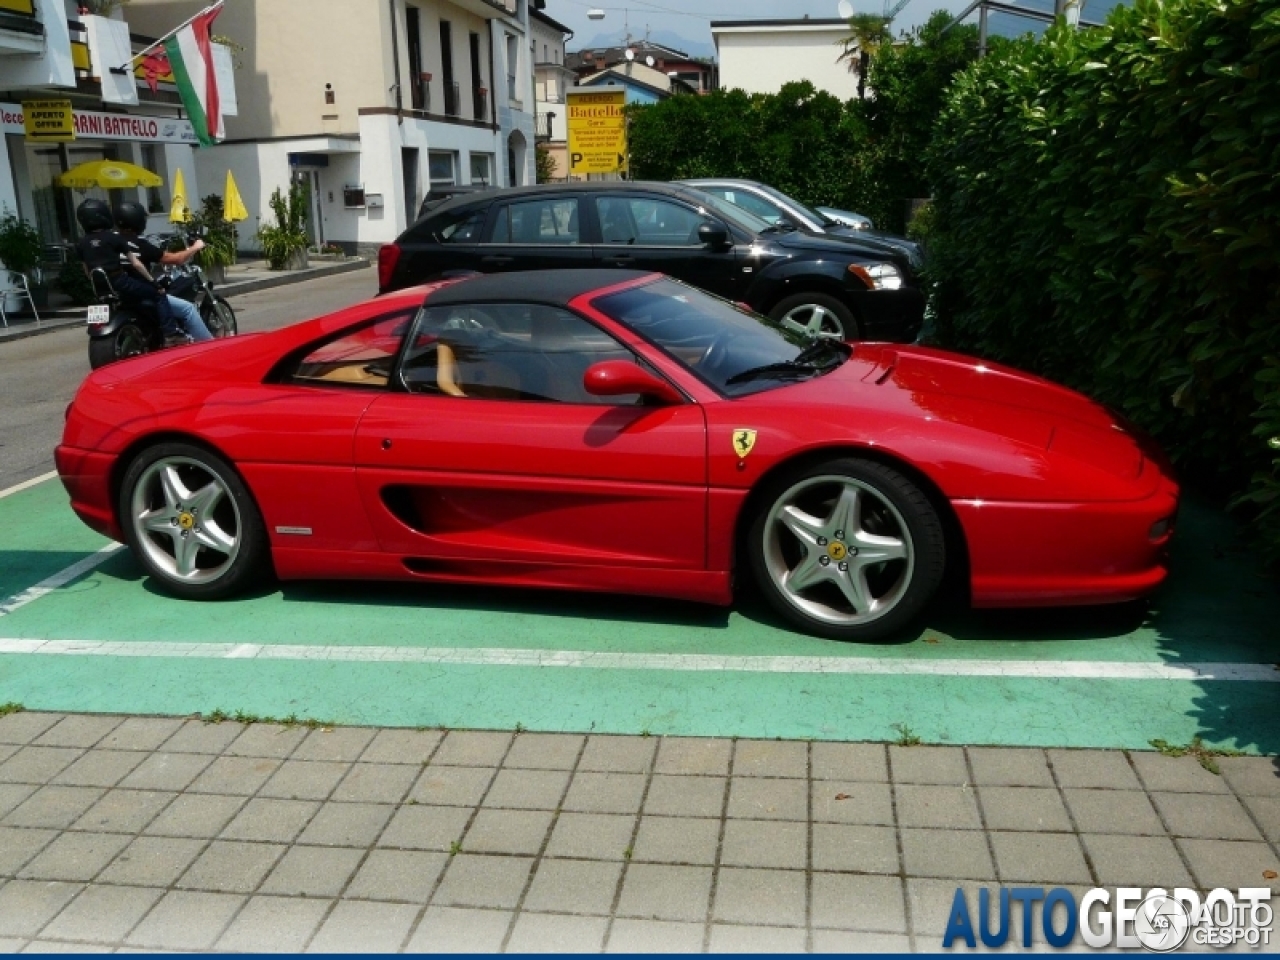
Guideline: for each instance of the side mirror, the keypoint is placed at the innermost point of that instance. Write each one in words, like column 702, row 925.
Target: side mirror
column 713, row 235
column 616, row 378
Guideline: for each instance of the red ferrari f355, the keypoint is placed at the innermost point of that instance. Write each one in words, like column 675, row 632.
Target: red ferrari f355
column 614, row 431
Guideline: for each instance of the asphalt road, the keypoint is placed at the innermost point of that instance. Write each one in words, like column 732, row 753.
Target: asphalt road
column 40, row 375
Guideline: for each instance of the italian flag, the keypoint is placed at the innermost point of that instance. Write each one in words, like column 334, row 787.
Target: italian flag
column 191, row 59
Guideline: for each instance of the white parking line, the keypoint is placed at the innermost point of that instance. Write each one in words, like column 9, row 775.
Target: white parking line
column 19, row 487
column 514, row 657
column 61, row 578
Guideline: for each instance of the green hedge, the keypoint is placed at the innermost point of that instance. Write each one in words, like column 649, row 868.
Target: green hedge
column 863, row 155
column 1107, row 213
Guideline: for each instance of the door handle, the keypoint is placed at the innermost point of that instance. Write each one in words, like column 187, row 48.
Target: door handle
column 497, row 261
column 619, row 260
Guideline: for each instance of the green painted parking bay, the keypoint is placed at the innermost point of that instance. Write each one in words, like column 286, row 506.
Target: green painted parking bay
column 1196, row 662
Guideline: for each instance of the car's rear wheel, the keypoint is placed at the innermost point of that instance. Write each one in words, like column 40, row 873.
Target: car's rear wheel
column 849, row 549
column 815, row 315
column 192, row 523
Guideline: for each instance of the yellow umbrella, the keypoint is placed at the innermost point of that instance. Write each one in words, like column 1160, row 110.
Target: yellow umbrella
column 179, row 212
column 109, row 174
column 233, row 207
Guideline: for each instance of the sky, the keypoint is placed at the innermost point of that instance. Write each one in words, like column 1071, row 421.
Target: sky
column 691, row 18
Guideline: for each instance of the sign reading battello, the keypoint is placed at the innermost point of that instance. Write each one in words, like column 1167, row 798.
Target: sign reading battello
column 110, row 126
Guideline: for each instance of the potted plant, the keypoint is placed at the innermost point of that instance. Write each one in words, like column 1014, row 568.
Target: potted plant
column 219, row 238
column 20, row 252
column 284, row 243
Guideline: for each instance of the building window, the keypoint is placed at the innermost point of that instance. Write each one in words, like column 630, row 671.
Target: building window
column 442, row 167
column 151, row 160
column 513, row 61
column 482, row 168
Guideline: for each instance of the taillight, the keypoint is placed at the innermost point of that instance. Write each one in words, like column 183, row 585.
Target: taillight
column 388, row 257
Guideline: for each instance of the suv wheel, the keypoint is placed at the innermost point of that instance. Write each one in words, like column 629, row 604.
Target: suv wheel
column 816, row 315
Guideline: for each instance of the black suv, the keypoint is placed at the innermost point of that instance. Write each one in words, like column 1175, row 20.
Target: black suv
column 819, row 286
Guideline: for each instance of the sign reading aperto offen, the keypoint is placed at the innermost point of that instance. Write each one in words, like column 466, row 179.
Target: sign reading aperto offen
column 48, row 121
column 597, row 130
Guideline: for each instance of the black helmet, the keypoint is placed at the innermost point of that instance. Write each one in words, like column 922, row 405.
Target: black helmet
column 131, row 216
column 94, row 215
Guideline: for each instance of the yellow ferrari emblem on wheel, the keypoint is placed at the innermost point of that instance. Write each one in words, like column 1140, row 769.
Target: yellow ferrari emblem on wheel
column 186, row 521
column 837, row 551
column 743, row 441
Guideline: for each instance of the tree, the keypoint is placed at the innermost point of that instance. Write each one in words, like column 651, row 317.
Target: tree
column 867, row 31
column 544, row 163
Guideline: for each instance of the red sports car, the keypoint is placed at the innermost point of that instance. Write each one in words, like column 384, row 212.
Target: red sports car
column 614, row 431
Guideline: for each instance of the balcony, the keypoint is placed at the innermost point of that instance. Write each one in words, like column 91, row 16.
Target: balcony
column 544, row 126
column 480, row 103
column 452, row 99
column 20, row 29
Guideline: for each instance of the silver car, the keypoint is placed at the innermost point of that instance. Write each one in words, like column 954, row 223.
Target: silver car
column 786, row 212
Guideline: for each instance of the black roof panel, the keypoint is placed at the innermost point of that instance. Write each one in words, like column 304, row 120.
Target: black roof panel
column 554, row 287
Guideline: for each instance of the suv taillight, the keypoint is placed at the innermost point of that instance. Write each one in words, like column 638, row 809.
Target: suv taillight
column 388, row 257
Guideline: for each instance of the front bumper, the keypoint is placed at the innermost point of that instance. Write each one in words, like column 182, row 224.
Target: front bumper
column 1065, row 554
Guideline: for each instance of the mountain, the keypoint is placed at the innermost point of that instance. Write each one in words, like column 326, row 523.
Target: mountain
column 668, row 38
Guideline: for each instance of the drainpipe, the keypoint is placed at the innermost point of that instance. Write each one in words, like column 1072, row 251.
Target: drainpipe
column 395, row 60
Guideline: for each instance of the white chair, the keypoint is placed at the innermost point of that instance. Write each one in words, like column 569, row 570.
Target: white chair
column 18, row 288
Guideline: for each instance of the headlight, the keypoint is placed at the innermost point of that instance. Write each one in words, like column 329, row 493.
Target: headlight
column 877, row 276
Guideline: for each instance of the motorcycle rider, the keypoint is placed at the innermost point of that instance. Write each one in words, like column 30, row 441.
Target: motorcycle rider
column 101, row 248
column 131, row 220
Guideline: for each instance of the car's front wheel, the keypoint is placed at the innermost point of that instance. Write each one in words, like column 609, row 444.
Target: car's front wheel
column 191, row 521
column 815, row 315
column 849, row 549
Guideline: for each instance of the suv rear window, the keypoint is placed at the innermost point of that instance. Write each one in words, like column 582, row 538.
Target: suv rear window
column 462, row 225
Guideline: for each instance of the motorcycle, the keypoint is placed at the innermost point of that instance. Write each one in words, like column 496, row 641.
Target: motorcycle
column 117, row 331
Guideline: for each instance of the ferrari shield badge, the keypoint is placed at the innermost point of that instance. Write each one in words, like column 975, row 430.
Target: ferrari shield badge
column 743, row 442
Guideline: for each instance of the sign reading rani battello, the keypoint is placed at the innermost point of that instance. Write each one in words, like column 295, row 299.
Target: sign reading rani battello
column 597, row 130
column 95, row 125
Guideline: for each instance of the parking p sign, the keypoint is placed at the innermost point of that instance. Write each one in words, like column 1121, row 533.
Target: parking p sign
column 597, row 130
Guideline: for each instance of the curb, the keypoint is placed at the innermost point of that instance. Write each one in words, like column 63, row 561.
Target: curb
column 293, row 276
column 59, row 321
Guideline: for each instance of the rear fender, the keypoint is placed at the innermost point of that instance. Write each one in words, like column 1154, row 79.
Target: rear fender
column 120, row 316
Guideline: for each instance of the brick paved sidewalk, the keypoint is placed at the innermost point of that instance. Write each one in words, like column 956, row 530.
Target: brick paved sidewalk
column 180, row 835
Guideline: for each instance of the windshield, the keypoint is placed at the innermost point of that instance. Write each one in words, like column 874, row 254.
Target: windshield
column 729, row 348
column 734, row 214
column 808, row 212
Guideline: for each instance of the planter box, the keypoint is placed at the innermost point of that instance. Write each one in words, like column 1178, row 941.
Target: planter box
column 297, row 260
column 215, row 273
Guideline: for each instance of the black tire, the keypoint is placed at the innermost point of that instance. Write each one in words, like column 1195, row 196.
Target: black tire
column 887, row 507
column 233, row 521
column 219, row 317
column 837, row 320
column 129, row 340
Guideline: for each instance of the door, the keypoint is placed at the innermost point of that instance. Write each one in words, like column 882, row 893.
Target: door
column 413, row 36
column 640, row 232
column 446, row 69
column 495, row 453
column 409, row 166
column 540, row 233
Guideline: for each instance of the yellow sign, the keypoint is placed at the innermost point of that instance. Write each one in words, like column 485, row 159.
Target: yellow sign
column 743, row 442
column 597, row 131
column 48, row 121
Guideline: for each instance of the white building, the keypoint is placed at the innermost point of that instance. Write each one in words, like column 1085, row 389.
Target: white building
column 368, row 103
column 550, row 79
column 50, row 52
column 759, row 56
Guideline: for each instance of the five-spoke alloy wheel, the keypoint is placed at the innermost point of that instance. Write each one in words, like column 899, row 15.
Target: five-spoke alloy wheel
column 191, row 521
column 850, row 549
column 816, row 316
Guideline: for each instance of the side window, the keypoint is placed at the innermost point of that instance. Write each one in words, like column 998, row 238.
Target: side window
column 752, row 204
column 357, row 358
column 647, row 221
column 537, row 221
column 507, row 351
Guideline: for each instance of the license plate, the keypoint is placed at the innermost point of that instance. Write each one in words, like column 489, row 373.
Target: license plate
column 99, row 314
